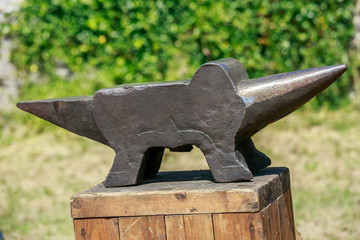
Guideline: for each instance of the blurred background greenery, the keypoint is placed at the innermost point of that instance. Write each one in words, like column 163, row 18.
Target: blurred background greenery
column 74, row 47
column 116, row 42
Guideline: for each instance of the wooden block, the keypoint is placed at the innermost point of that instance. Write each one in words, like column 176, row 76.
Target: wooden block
column 96, row 229
column 234, row 226
column 190, row 205
column 198, row 227
column 178, row 193
column 175, row 229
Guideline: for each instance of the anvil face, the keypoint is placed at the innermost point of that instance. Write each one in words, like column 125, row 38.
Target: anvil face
column 218, row 110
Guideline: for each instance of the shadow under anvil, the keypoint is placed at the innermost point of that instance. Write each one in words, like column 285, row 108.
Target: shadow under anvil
column 197, row 179
column 181, row 176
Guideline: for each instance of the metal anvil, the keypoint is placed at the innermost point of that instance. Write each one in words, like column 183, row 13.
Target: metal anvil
column 218, row 110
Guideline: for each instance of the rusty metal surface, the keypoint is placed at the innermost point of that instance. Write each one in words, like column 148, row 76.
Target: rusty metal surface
column 218, row 110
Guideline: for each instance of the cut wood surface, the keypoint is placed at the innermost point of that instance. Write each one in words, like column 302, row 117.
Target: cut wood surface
column 191, row 192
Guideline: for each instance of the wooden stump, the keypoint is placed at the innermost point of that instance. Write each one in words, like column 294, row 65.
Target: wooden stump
column 188, row 205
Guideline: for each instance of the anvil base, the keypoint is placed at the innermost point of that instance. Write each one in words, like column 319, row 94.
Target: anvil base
column 188, row 205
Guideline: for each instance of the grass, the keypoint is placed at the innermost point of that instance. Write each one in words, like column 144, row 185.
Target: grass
column 40, row 170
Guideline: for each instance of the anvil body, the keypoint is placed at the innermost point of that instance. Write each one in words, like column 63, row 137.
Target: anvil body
column 218, row 110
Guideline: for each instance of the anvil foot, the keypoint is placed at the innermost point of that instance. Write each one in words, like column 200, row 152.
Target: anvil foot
column 228, row 166
column 255, row 159
column 135, row 168
column 115, row 179
column 152, row 160
column 127, row 169
column 233, row 174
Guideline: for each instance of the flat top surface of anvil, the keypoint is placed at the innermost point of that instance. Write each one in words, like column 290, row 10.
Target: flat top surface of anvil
column 217, row 110
column 182, row 193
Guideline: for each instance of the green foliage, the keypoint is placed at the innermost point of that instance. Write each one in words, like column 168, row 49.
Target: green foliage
column 114, row 42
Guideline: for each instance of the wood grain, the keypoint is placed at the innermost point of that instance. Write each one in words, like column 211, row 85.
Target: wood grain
column 287, row 227
column 133, row 228
column 175, row 228
column 199, row 227
column 238, row 226
column 271, row 221
column 156, row 227
column 96, row 229
column 298, row 235
column 289, row 206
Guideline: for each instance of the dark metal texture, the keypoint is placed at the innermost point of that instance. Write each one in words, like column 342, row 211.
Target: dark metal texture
column 218, row 110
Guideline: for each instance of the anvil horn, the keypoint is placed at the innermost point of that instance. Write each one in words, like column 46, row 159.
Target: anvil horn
column 272, row 97
column 72, row 113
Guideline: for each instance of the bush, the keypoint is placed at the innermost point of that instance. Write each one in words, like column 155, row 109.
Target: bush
column 102, row 43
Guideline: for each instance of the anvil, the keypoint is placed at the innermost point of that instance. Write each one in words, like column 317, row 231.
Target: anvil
column 218, row 110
